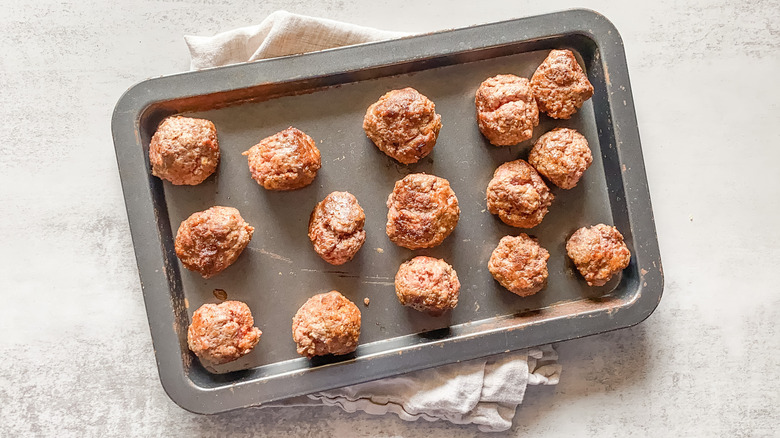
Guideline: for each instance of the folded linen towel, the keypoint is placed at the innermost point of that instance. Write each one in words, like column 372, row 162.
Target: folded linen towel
column 484, row 392
column 281, row 34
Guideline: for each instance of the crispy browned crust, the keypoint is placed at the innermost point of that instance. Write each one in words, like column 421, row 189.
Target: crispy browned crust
column 427, row 284
column 562, row 156
column 506, row 110
column 403, row 124
column 560, row 86
column 518, row 195
column 519, row 264
column 287, row 160
column 209, row 241
column 184, row 151
column 327, row 323
column 221, row 333
column 336, row 228
column 422, row 211
column 598, row 252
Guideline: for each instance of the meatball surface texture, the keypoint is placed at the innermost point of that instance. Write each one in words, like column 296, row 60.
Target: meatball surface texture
column 184, row 151
column 288, row 160
column 403, row 124
column 422, row 211
column 598, row 252
column 519, row 264
column 562, row 156
column 506, row 110
column 327, row 323
column 560, row 85
column 209, row 241
column 336, row 228
column 427, row 284
column 518, row 195
column 221, row 333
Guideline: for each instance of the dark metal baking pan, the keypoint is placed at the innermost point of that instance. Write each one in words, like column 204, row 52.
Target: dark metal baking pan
column 325, row 94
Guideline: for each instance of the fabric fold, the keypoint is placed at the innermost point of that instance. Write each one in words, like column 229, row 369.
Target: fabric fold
column 280, row 34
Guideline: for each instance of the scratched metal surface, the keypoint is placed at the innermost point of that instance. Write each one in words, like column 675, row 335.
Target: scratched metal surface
column 279, row 270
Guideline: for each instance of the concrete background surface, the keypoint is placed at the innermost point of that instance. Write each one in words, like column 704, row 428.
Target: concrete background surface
column 76, row 351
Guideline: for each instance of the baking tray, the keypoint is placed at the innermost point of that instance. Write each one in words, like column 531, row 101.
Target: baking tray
column 325, row 94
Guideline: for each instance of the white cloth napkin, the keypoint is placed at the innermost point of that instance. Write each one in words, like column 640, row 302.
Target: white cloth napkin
column 281, row 34
column 485, row 391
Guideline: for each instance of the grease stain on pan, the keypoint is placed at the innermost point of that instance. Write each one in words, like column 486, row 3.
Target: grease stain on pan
column 271, row 255
column 220, row 294
column 380, row 283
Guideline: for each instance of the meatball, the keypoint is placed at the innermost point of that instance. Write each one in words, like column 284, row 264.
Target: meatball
column 562, row 156
column 287, row 160
column 518, row 195
column 423, row 211
column 209, row 241
column 327, row 323
column 427, row 284
column 184, row 151
column 506, row 110
column 403, row 124
column 336, row 228
column 222, row 333
column 519, row 264
column 598, row 252
column 560, row 86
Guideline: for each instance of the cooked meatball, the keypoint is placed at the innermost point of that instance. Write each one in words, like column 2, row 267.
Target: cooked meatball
column 336, row 228
column 287, row 160
column 403, row 124
column 506, row 110
column 222, row 333
column 427, row 284
column 518, row 195
column 184, row 151
column 598, row 252
column 560, row 86
column 423, row 211
column 519, row 264
column 562, row 156
column 327, row 323
column 209, row 241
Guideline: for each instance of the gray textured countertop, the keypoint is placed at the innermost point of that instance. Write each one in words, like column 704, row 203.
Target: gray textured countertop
column 76, row 350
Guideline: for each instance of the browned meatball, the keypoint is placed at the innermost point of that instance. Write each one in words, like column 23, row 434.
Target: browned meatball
column 184, row 151
column 209, row 241
column 519, row 264
column 560, row 86
column 287, row 160
column 336, row 228
column 427, row 284
column 518, row 195
column 562, row 155
column 598, row 252
column 403, row 124
column 506, row 110
column 327, row 323
column 222, row 333
column 423, row 211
